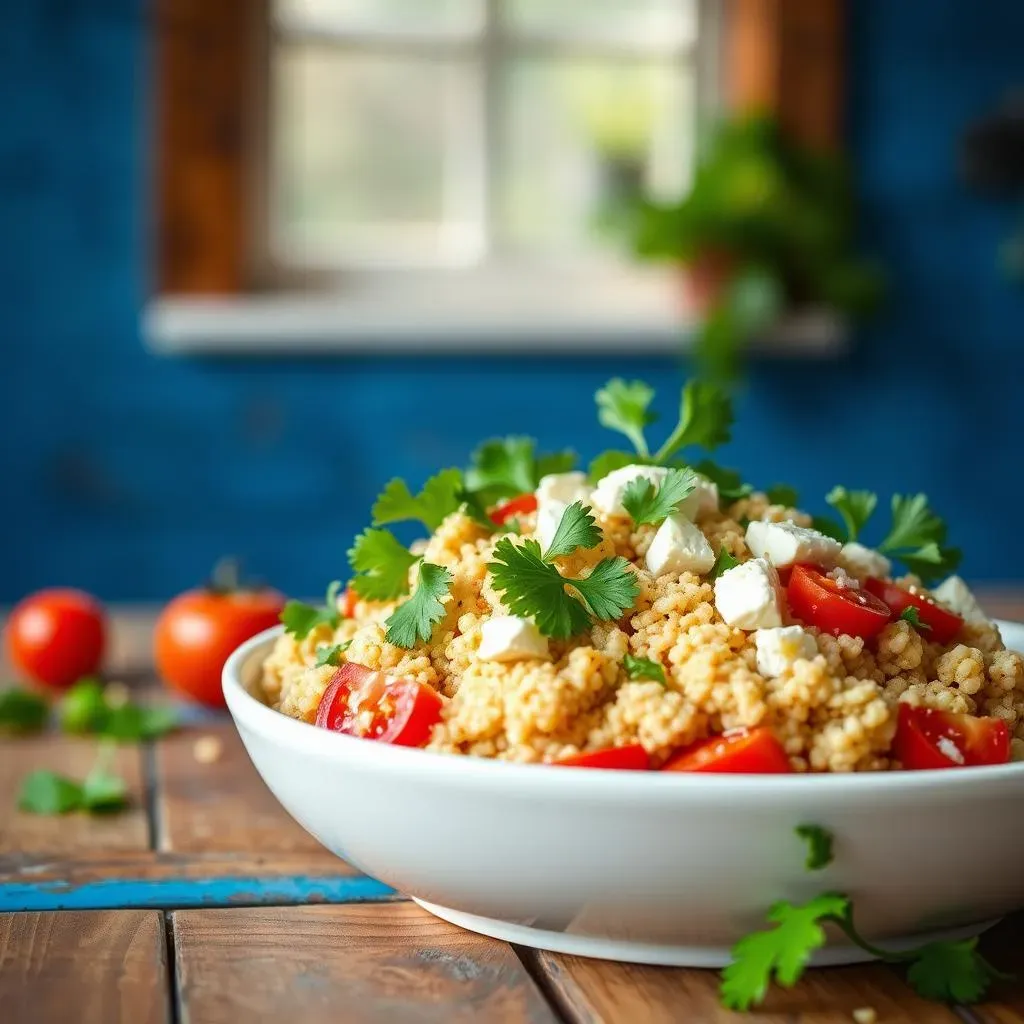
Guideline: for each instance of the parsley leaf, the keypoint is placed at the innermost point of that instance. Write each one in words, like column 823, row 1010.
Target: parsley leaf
column 649, row 504
column 729, row 483
column 819, row 846
column 507, row 467
column 855, row 507
column 917, row 538
column 783, row 494
column 415, row 618
column 301, row 619
column 639, row 669
column 723, row 563
column 22, row 711
column 609, row 461
column 931, row 561
column 952, row 972
column 610, row 590
column 45, row 792
column 86, row 708
column 705, row 419
column 913, row 616
column 783, row 950
column 330, row 654
column 829, row 527
column 624, row 406
column 83, row 708
column 576, row 529
column 102, row 791
column 440, row 497
column 382, row 566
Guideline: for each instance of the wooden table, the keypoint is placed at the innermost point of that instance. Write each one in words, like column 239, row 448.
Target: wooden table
column 205, row 903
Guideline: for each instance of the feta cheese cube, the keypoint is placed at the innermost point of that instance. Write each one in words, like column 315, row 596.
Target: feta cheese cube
column 747, row 596
column 679, row 546
column 701, row 500
column 509, row 638
column 778, row 648
column 564, row 487
column 607, row 496
column 786, row 544
column 861, row 561
column 549, row 515
column 957, row 596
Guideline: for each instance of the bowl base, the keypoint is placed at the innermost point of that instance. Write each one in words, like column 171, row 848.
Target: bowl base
column 668, row 955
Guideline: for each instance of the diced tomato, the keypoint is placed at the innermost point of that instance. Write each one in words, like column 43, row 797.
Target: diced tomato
column 630, row 758
column 820, row 601
column 348, row 609
column 364, row 703
column 926, row 738
column 943, row 625
column 741, row 751
column 521, row 506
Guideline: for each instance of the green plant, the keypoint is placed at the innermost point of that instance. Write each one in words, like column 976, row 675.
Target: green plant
column 778, row 216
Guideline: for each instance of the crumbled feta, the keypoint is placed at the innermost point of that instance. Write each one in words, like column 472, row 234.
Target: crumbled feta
column 786, row 544
column 702, row 499
column 949, row 749
column 677, row 547
column 778, row 648
column 607, row 496
column 957, row 596
column 863, row 561
column 509, row 638
column 747, row 595
column 549, row 515
column 564, row 487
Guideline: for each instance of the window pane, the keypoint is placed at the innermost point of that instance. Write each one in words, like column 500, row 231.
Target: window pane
column 410, row 15
column 374, row 157
column 578, row 133
column 633, row 20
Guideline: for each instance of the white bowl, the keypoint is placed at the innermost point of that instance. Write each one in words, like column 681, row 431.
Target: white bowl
column 662, row 868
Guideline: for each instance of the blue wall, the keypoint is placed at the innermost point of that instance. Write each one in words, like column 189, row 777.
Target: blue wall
column 129, row 474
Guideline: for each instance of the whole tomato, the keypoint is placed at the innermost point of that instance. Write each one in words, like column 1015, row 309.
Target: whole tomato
column 198, row 630
column 57, row 636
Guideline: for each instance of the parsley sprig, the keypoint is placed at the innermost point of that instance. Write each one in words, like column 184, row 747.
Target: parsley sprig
column 510, row 466
column 913, row 616
column 855, row 508
column 647, row 503
column 576, row 529
column 301, row 619
column 440, row 497
column 46, row 792
column 416, row 617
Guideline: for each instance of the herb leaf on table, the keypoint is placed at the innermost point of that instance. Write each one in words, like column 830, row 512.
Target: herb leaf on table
column 22, row 711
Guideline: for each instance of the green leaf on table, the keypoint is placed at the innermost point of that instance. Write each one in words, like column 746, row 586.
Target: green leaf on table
column 102, row 791
column 415, row 618
column 22, row 711
column 83, row 709
column 46, row 792
column 952, row 972
column 134, row 723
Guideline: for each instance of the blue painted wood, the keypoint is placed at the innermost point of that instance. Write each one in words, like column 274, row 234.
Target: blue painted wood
column 171, row 893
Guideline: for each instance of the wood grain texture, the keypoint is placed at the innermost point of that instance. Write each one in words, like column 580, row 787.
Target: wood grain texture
column 1004, row 946
column 600, row 992
column 347, row 965
column 83, row 968
column 223, row 806
column 77, row 834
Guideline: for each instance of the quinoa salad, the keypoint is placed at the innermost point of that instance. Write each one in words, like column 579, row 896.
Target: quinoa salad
column 653, row 610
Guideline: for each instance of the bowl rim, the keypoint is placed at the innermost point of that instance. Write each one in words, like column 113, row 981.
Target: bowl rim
column 251, row 713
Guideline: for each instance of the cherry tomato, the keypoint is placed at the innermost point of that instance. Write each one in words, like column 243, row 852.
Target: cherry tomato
column 520, row 506
column 368, row 704
column 349, row 607
column 199, row 629
column 819, row 600
column 632, row 757
column 926, row 738
column 942, row 624
column 740, row 751
column 57, row 636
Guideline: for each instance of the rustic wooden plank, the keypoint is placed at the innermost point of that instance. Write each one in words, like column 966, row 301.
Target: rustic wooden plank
column 83, row 968
column 342, row 965
column 80, row 834
column 223, row 806
column 600, row 992
column 1004, row 946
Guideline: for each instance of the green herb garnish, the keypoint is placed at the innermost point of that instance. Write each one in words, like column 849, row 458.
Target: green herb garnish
column 301, row 619
column 441, row 496
column 22, row 711
column 416, row 617
column 576, row 529
column 644, row 669
column 783, row 494
column 647, row 503
column 819, row 846
column 46, row 792
column 913, row 616
column 87, row 709
column 507, row 467
column 729, row 483
column 855, row 507
column 330, row 654
column 723, row 563
column 381, row 564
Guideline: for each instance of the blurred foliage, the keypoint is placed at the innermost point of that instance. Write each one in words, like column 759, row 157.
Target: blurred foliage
column 780, row 216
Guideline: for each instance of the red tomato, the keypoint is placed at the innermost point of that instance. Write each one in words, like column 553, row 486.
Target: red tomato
column 57, row 636
column 942, row 625
column 520, row 506
column 199, row 629
column 349, row 607
column 364, row 703
column 818, row 600
column 741, row 751
column 926, row 738
column 632, row 757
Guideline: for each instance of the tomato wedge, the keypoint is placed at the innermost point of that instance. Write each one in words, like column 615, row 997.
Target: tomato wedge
column 630, row 758
column 943, row 625
column 520, row 506
column 368, row 704
column 926, row 738
column 820, row 601
column 740, row 751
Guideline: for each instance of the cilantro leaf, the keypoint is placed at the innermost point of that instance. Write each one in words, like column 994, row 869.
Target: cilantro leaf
column 45, row 792
column 330, row 654
column 783, row 494
column 382, row 565
column 576, row 529
column 554, row 462
column 83, row 709
column 609, row 461
column 639, row 669
column 783, row 950
column 440, row 497
column 610, row 590
column 855, row 507
column 723, row 563
column 705, row 419
column 301, row 619
column 132, row 723
column 22, row 711
column 103, row 791
column 819, row 846
column 913, row 616
column 829, row 527
column 415, row 618
column 729, row 483
column 931, row 562
column 624, row 406
column 952, row 972
column 507, row 467
column 913, row 524
column 649, row 504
